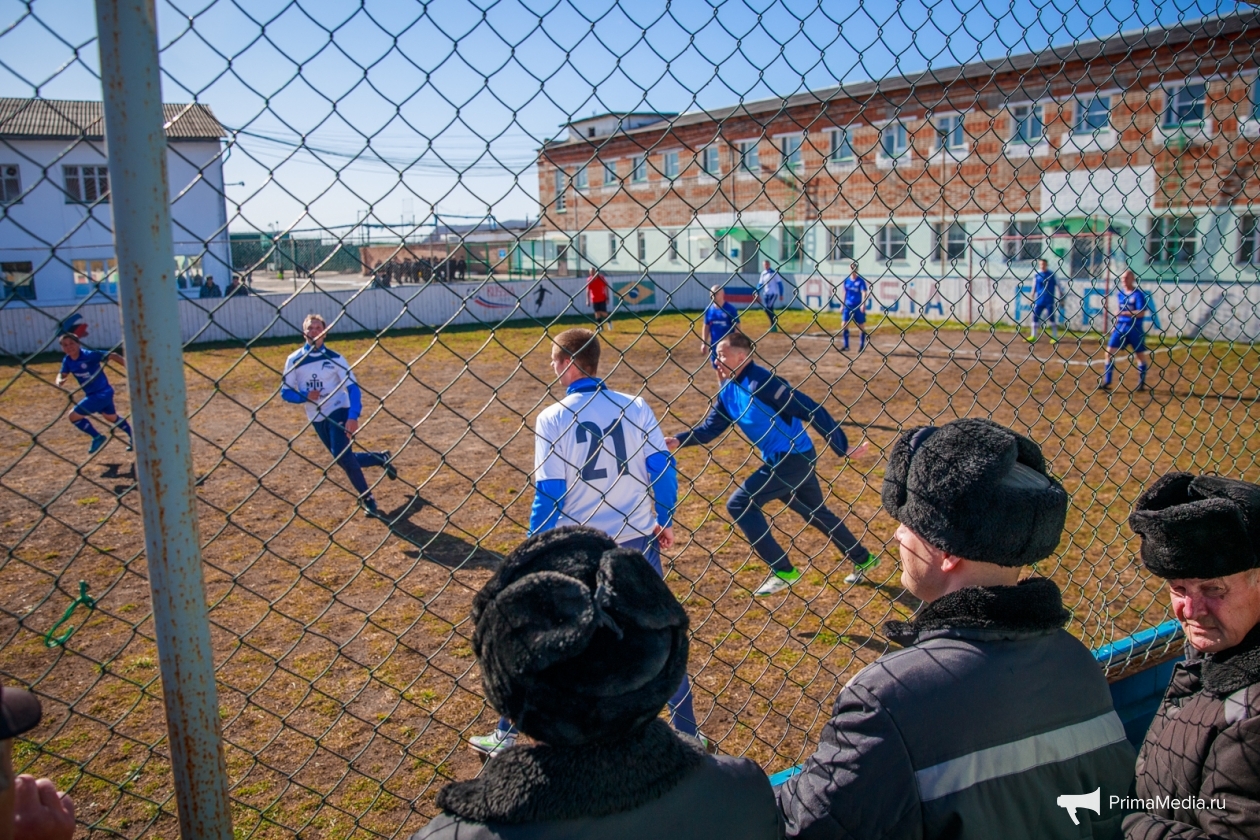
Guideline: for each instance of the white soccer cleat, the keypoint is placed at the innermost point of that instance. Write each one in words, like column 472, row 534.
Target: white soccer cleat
column 494, row 743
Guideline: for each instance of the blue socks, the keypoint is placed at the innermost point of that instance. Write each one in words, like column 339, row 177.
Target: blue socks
column 125, row 426
column 861, row 341
column 846, row 339
column 1141, row 374
column 85, row 426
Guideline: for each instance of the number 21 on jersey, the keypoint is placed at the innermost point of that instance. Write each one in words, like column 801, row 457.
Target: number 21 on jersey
column 592, row 435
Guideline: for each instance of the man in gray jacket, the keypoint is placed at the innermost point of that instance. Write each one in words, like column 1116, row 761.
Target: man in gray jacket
column 1198, row 775
column 990, row 711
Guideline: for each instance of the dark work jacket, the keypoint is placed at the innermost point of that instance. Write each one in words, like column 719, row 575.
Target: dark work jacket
column 653, row 783
column 989, row 714
column 1204, row 745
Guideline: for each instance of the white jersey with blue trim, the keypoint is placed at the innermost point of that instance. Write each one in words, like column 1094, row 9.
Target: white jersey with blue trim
column 323, row 370
column 598, row 441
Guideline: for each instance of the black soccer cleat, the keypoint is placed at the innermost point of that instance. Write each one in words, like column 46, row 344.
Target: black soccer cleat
column 391, row 472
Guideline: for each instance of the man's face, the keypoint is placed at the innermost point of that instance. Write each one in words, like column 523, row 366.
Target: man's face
column 560, row 361
column 719, row 297
column 766, row 265
column 921, row 571
column 729, row 358
column 315, row 331
column 1044, row 265
column 70, row 347
column 1217, row 613
column 1129, row 279
column 853, row 272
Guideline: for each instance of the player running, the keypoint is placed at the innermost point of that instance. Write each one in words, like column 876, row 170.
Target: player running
column 600, row 460
column 856, row 291
column 1131, row 308
column 719, row 319
column 597, row 295
column 88, row 369
column 1045, row 301
column 321, row 379
column 771, row 414
column 770, row 292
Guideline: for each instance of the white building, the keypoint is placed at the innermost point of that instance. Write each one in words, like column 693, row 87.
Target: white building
column 56, row 228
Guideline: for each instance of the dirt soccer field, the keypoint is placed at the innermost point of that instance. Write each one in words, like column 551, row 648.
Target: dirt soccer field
column 346, row 676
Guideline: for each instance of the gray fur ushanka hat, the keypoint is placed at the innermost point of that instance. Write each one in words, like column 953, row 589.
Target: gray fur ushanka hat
column 977, row 490
column 579, row 641
column 1198, row 526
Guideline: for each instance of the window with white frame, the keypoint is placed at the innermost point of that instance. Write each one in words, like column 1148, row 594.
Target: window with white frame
column 710, row 161
column 950, row 133
column 1093, row 115
column 581, row 181
column 791, row 244
column 748, row 156
column 613, row 246
column 642, row 250
column 673, row 246
column 86, row 184
column 638, row 169
column 10, row 183
column 610, row 173
column 890, row 243
column 17, row 281
column 582, row 249
column 1023, row 241
column 1249, row 240
column 1028, row 125
column 560, row 190
column 790, row 148
column 894, row 140
column 841, row 244
column 671, row 165
column 949, row 241
column 1184, row 105
column 1173, row 240
column 841, row 147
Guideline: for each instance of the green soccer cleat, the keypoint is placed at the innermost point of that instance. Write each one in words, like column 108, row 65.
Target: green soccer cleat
column 494, row 743
column 777, row 582
column 861, row 571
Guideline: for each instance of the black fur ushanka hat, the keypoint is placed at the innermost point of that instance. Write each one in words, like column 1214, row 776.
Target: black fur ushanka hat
column 977, row 490
column 579, row 640
column 1200, row 526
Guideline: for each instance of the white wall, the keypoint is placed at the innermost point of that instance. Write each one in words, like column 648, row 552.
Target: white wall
column 50, row 233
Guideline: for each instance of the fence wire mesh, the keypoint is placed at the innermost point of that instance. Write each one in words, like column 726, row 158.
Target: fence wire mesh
column 397, row 169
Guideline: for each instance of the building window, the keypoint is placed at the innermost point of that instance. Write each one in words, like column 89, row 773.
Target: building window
column 710, row 161
column 894, row 140
column 17, row 281
column 10, row 184
column 642, row 247
column 86, row 184
column 673, row 247
column 581, row 181
column 949, row 241
column 1249, row 242
column 790, row 147
column 1184, row 105
column 1093, row 115
column 950, row 133
column 748, row 158
column 582, row 251
column 841, row 247
column 671, row 165
column 610, row 172
column 560, row 190
column 1255, row 98
column 638, row 169
column 1023, row 241
column 841, row 147
column 790, row 246
column 890, row 243
column 91, row 275
column 613, row 246
column 1173, row 239
column 1028, row 124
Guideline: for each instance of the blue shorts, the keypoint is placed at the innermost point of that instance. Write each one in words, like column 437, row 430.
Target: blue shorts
column 101, row 402
column 854, row 313
column 1132, row 337
column 1043, row 309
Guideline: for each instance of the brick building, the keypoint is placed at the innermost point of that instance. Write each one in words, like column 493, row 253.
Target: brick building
column 1136, row 149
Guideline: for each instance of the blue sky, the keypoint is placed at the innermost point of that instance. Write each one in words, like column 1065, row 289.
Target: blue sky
column 400, row 108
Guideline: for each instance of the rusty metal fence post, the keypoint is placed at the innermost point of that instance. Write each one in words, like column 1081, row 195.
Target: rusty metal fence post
column 135, row 138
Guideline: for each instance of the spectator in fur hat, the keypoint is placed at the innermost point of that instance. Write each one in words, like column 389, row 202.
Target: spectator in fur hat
column 991, row 710
column 1202, row 535
column 580, row 644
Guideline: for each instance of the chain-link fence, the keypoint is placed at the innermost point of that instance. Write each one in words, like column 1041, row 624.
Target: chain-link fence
column 398, row 169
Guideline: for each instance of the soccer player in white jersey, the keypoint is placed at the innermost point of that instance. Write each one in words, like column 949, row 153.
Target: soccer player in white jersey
column 321, row 379
column 600, row 460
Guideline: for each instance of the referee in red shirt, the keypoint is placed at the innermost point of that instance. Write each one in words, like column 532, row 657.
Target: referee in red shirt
column 597, row 295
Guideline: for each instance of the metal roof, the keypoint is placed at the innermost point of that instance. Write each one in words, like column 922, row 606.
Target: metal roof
column 69, row 119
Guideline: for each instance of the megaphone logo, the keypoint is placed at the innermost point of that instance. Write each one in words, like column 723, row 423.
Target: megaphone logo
column 1070, row 802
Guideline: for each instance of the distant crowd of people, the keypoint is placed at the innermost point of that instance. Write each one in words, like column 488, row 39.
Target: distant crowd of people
column 396, row 272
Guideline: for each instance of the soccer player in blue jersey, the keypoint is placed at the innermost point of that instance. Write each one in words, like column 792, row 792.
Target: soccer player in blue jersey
column 321, row 380
column 1045, row 301
column 773, row 415
column 856, row 290
column 600, row 460
column 88, row 369
column 1131, row 309
column 719, row 319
